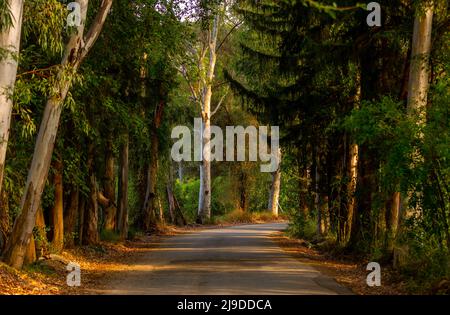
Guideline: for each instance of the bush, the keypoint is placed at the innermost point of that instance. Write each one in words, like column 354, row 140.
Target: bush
column 301, row 227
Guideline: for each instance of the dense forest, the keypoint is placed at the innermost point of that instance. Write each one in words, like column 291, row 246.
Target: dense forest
column 91, row 91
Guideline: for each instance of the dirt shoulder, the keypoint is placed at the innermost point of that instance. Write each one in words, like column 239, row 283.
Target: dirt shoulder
column 345, row 270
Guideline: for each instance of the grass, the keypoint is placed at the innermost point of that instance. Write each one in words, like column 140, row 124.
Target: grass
column 239, row 216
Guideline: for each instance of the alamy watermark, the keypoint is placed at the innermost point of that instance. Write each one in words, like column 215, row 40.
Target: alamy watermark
column 213, row 148
column 74, row 277
column 74, row 17
column 374, row 277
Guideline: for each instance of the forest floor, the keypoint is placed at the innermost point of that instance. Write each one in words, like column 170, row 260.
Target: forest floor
column 99, row 263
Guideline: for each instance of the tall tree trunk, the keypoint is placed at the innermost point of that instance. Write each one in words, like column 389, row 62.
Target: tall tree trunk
column 9, row 54
column 4, row 220
column 122, row 225
column 70, row 217
column 81, row 212
column 151, row 217
column 419, row 68
column 352, row 165
column 275, row 188
column 90, row 219
column 110, row 187
column 75, row 52
column 56, row 216
column 176, row 216
column 204, row 213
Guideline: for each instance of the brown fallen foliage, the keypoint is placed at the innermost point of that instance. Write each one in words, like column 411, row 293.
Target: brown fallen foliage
column 345, row 270
column 48, row 277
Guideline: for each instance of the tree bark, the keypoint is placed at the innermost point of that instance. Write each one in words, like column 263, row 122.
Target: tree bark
column 90, row 219
column 352, row 166
column 122, row 225
column 110, row 187
column 75, row 52
column 204, row 213
column 56, row 217
column 40, row 240
column 70, row 217
column 9, row 54
column 4, row 220
column 151, row 217
column 275, row 188
column 419, row 67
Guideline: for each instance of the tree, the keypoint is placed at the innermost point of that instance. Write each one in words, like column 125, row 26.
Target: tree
column 10, row 34
column 76, row 51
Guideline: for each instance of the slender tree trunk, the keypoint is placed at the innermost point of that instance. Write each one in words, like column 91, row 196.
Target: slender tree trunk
column 75, row 51
column 123, row 189
column 151, row 218
column 56, row 217
column 90, row 220
column 180, row 171
column 352, row 165
column 275, row 188
column 176, row 215
column 9, row 54
column 110, row 187
column 204, row 213
column 303, row 187
column 419, row 68
column 81, row 212
column 4, row 220
column 243, row 200
column 70, row 217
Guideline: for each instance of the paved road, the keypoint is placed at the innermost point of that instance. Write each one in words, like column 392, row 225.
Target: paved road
column 233, row 260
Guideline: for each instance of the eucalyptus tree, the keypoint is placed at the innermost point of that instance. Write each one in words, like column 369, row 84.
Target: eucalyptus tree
column 11, row 13
column 76, row 50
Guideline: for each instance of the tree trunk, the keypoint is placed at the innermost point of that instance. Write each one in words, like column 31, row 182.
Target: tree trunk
column 110, row 187
column 41, row 242
column 419, row 68
column 90, row 219
column 204, row 213
column 352, row 166
column 176, row 216
column 70, row 217
column 303, row 189
column 81, row 212
column 275, row 188
column 56, row 216
column 30, row 254
column 75, row 51
column 243, row 200
column 4, row 220
column 151, row 218
column 9, row 52
column 123, row 190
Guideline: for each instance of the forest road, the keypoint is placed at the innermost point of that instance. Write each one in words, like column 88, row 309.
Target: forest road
column 240, row 260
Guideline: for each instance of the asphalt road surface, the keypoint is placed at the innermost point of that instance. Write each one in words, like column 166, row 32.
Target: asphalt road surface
column 240, row 260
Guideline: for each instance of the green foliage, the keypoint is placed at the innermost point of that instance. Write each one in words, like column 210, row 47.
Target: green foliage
column 5, row 15
column 301, row 227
